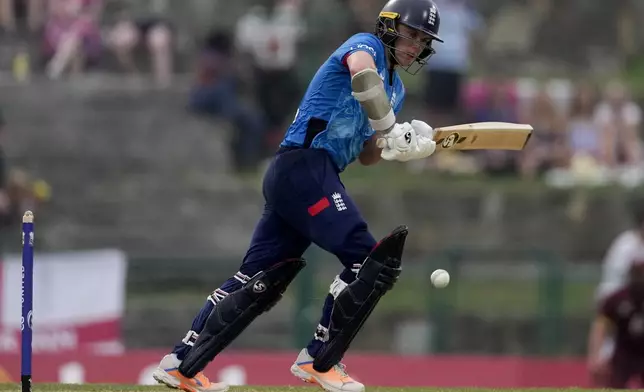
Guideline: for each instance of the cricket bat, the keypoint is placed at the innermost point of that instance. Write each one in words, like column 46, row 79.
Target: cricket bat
column 480, row 136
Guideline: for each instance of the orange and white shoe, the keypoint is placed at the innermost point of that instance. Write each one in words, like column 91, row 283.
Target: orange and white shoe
column 168, row 373
column 335, row 380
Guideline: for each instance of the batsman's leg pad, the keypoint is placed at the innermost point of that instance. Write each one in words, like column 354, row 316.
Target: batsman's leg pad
column 236, row 311
column 355, row 302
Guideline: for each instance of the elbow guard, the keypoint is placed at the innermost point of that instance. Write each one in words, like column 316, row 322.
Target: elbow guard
column 369, row 90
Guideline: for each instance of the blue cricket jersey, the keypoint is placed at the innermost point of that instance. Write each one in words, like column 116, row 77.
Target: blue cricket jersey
column 328, row 98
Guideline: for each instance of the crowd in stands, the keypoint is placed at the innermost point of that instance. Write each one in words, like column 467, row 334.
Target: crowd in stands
column 75, row 36
column 589, row 128
column 579, row 128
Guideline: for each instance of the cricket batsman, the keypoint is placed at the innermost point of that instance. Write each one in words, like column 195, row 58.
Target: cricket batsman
column 348, row 110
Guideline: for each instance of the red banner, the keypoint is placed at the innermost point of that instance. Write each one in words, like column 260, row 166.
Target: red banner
column 273, row 369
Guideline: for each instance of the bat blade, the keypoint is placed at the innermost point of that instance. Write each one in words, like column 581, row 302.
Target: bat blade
column 483, row 136
column 479, row 136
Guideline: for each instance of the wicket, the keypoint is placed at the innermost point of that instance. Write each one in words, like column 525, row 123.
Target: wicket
column 27, row 299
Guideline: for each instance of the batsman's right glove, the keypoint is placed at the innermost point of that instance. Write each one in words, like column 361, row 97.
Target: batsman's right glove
column 406, row 142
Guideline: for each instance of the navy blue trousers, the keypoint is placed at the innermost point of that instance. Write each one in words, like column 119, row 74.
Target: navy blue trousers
column 305, row 203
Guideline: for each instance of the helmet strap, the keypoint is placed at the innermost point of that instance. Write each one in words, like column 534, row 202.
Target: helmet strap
column 391, row 57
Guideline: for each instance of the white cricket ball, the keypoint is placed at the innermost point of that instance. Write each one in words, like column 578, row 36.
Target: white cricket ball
column 440, row 278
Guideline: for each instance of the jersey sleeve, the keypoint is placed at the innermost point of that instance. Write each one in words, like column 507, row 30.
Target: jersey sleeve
column 361, row 42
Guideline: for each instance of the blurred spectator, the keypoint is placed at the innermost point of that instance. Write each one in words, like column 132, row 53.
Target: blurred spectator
column 139, row 25
column 215, row 93
column 17, row 14
column 498, row 106
column 18, row 192
column 361, row 14
column 547, row 148
column 271, row 44
column 24, row 193
column 72, row 37
column 5, row 203
column 584, row 136
column 448, row 68
column 619, row 119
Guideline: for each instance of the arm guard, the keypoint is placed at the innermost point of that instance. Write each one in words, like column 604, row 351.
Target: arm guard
column 369, row 90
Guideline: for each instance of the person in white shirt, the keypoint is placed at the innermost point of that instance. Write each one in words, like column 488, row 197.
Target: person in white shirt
column 619, row 119
column 271, row 40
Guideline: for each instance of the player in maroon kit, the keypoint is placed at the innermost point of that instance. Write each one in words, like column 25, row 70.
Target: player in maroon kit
column 621, row 316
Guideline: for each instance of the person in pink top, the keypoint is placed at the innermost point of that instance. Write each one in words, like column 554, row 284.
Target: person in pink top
column 72, row 37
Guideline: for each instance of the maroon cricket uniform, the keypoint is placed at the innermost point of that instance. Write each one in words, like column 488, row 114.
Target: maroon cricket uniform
column 625, row 310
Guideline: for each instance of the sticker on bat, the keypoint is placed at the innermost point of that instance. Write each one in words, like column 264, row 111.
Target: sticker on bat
column 451, row 140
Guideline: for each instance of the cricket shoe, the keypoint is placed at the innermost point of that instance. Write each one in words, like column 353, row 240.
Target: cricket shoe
column 168, row 373
column 335, row 380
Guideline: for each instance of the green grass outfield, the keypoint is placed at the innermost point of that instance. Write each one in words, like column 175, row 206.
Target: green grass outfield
column 137, row 388
column 481, row 298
